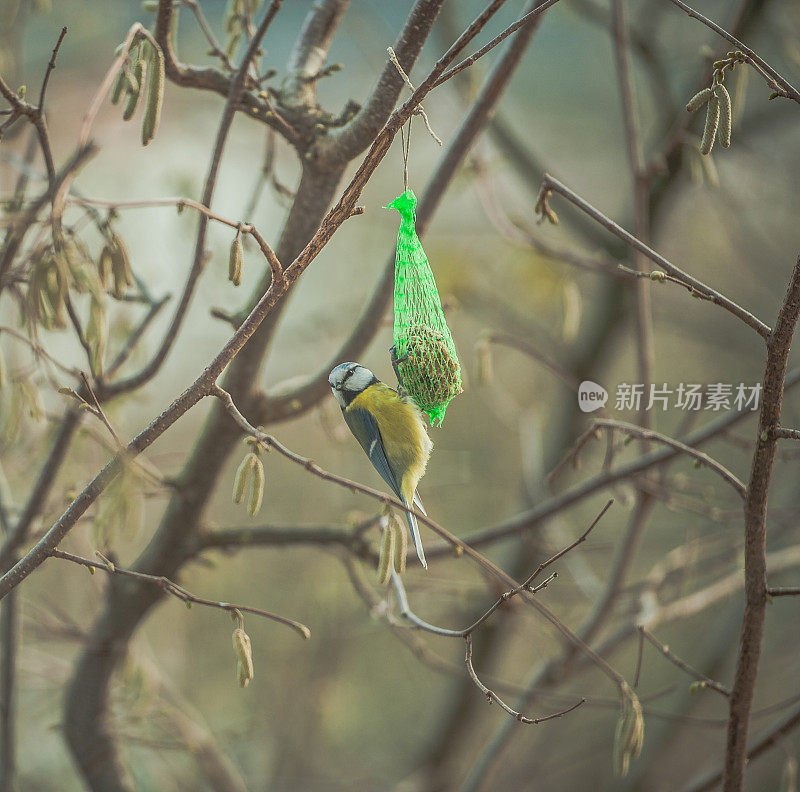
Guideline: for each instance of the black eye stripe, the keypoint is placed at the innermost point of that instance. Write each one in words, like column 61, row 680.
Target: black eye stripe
column 348, row 374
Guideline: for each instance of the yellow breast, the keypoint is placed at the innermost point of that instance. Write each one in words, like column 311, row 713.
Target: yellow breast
column 403, row 433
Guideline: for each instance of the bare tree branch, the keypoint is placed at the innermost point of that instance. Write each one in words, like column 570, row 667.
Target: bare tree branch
column 684, row 666
column 780, row 85
column 755, row 532
column 178, row 591
column 550, row 184
column 492, row 696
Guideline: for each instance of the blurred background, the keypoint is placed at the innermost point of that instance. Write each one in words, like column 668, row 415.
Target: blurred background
column 363, row 705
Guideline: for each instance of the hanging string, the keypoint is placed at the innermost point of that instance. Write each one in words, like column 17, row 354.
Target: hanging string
column 418, row 111
column 405, row 145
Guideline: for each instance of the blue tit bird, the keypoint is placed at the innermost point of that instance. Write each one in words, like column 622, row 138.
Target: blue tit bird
column 390, row 429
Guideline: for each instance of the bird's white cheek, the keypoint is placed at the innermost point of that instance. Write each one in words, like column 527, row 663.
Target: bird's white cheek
column 339, row 396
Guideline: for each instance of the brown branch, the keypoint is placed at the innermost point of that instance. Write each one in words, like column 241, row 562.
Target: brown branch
column 545, row 510
column 650, row 435
column 204, row 385
column 341, row 145
column 785, row 434
column 35, row 114
column 755, row 530
column 521, row 22
column 19, row 230
column 779, row 84
column 202, row 23
column 684, row 666
column 150, row 369
column 772, row 736
column 783, row 591
column 512, row 342
column 640, row 195
column 205, row 78
column 278, row 407
column 550, row 184
column 526, row 585
column 310, row 52
column 50, row 66
column 491, row 696
column 179, row 592
column 270, row 442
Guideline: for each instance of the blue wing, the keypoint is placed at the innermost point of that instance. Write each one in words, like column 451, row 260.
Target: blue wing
column 365, row 429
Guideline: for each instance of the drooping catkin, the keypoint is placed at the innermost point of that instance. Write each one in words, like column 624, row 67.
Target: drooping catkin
column 386, row 558
column 257, row 491
column 235, row 261
column 725, row 114
column 242, row 477
column 712, row 124
column 244, row 657
column 134, row 89
column 104, row 266
column 698, row 100
column 119, row 86
column 629, row 735
column 121, row 272
column 155, row 95
column 97, row 332
column 400, row 544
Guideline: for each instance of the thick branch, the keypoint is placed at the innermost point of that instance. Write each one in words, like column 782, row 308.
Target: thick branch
column 279, row 407
column 206, row 78
column 755, row 530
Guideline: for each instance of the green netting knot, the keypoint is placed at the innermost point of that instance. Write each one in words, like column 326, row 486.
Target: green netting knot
column 427, row 361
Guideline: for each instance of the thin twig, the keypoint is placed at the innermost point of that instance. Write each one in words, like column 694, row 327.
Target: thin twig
column 50, row 66
column 269, row 441
column 550, row 184
column 684, row 666
column 786, row 434
column 648, row 434
column 467, row 62
column 492, row 696
column 783, row 591
column 39, row 351
column 98, row 410
column 780, row 85
column 639, row 657
column 217, row 51
column 513, row 342
column 178, row 591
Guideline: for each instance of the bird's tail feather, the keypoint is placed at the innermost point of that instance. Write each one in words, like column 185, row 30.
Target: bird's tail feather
column 412, row 524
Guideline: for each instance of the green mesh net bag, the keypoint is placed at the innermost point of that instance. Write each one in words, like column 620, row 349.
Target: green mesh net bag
column 426, row 360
